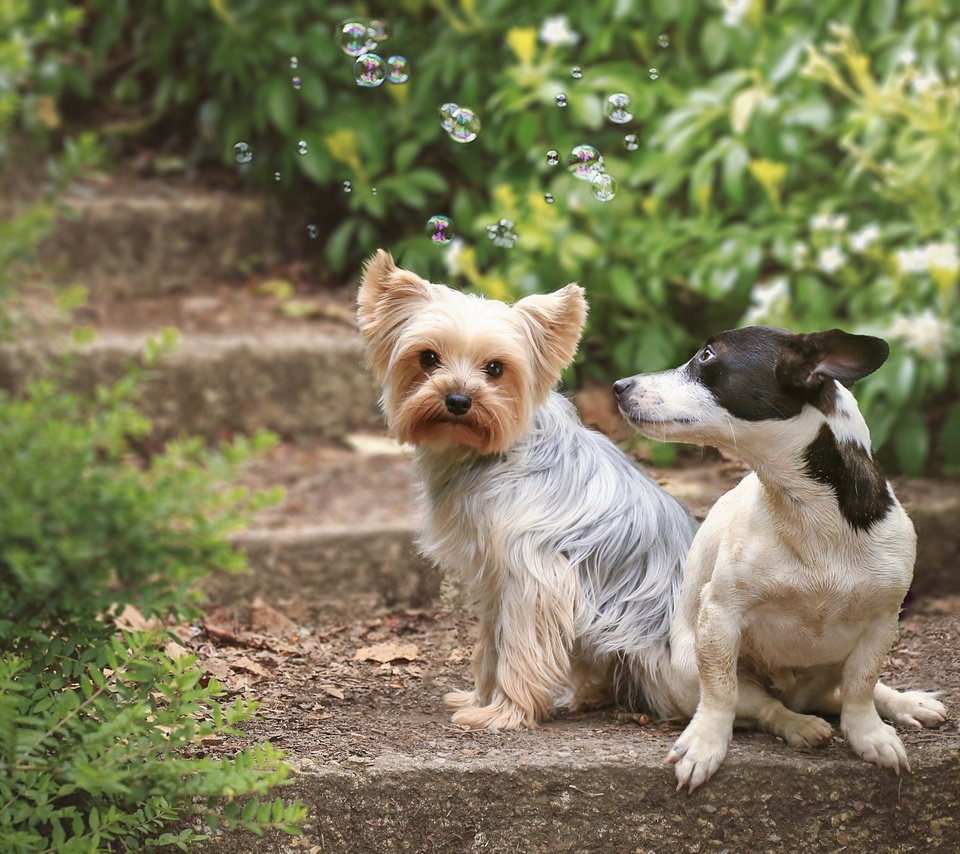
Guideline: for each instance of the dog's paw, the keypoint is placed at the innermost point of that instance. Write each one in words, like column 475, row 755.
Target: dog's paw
column 698, row 753
column 499, row 715
column 914, row 708
column 803, row 730
column 454, row 700
column 880, row 745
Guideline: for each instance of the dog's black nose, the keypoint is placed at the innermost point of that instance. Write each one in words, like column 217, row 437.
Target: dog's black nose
column 621, row 387
column 458, row 404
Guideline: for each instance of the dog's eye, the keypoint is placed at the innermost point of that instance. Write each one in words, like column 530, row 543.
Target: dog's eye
column 429, row 359
column 706, row 354
column 493, row 369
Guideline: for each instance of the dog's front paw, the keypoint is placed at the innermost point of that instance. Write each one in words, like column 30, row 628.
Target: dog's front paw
column 915, row 708
column 698, row 752
column 455, row 700
column 502, row 714
column 879, row 744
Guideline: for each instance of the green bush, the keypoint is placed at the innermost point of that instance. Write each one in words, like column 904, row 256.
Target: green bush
column 753, row 155
column 100, row 729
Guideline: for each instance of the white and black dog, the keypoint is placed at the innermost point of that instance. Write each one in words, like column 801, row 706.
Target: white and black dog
column 793, row 585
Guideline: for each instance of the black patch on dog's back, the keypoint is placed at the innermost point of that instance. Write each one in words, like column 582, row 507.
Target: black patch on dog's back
column 861, row 489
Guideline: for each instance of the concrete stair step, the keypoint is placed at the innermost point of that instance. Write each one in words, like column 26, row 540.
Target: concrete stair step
column 343, row 544
column 381, row 768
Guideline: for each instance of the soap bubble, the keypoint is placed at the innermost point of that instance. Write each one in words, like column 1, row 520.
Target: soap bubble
column 584, row 161
column 618, row 109
column 576, row 72
column 561, row 99
column 548, row 198
column 466, row 125
column 630, row 142
column 377, row 30
column 347, row 187
column 297, row 82
column 294, row 62
column 353, row 38
column 446, row 115
column 242, row 152
column 440, row 229
column 398, row 69
column 663, row 40
column 302, row 147
column 369, row 71
column 312, row 231
column 603, row 187
column 502, row 234
column 553, row 157
column 373, row 191
column 277, row 176
column 654, row 74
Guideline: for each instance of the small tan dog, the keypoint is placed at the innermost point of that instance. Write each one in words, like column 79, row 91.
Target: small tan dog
column 571, row 556
column 793, row 585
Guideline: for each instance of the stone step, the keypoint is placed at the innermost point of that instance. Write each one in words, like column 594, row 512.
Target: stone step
column 151, row 237
column 343, row 543
column 381, row 768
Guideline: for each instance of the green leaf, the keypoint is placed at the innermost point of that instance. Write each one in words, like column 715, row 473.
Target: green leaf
column 911, row 441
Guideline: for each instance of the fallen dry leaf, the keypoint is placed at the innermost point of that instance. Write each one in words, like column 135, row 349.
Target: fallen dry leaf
column 268, row 620
column 387, row 651
column 246, row 663
column 175, row 650
column 333, row 692
column 131, row 620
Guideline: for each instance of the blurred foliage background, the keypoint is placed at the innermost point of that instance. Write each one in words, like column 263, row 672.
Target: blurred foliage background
column 798, row 161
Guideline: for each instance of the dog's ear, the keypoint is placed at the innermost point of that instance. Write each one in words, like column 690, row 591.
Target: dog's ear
column 553, row 324
column 387, row 299
column 811, row 359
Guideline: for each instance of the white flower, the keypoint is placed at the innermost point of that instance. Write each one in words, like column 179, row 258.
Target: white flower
column 923, row 83
column 831, row 259
column 924, row 333
column 941, row 256
column 828, row 222
column 734, row 11
column 862, row 240
column 768, row 300
column 907, row 56
column 800, row 253
column 911, row 260
column 556, row 31
column 451, row 258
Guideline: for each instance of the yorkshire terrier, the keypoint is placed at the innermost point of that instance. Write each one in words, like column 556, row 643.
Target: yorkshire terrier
column 571, row 555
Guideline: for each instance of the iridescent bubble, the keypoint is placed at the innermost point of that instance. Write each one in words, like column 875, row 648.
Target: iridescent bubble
column 440, row 229
column 446, row 115
column 630, row 142
column 369, row 71
column 548, row 198
column 603, row 187
column 377, row 30
column 353, row 39
column 654, row 74
column 663, row 40
column 347, row 187
column 312, row 231
column 576, row 72
column 294, row 62
column 297, row 82
column 302, row 147
column 502, row 234
column 277, row 176
column 584, row 161
column 466, row 125
column 561, row 99
column 398, row 69
column 553, row 157
column 242, row 152
column 618, row 108
column 373, row 191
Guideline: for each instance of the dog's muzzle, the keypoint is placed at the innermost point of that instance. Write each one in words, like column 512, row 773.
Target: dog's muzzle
column 457, row 403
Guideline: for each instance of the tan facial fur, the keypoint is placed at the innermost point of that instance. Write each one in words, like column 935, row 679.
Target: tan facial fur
column 401, row 316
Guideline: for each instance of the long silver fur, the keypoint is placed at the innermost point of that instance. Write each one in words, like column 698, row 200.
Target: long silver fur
column 565, row 501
